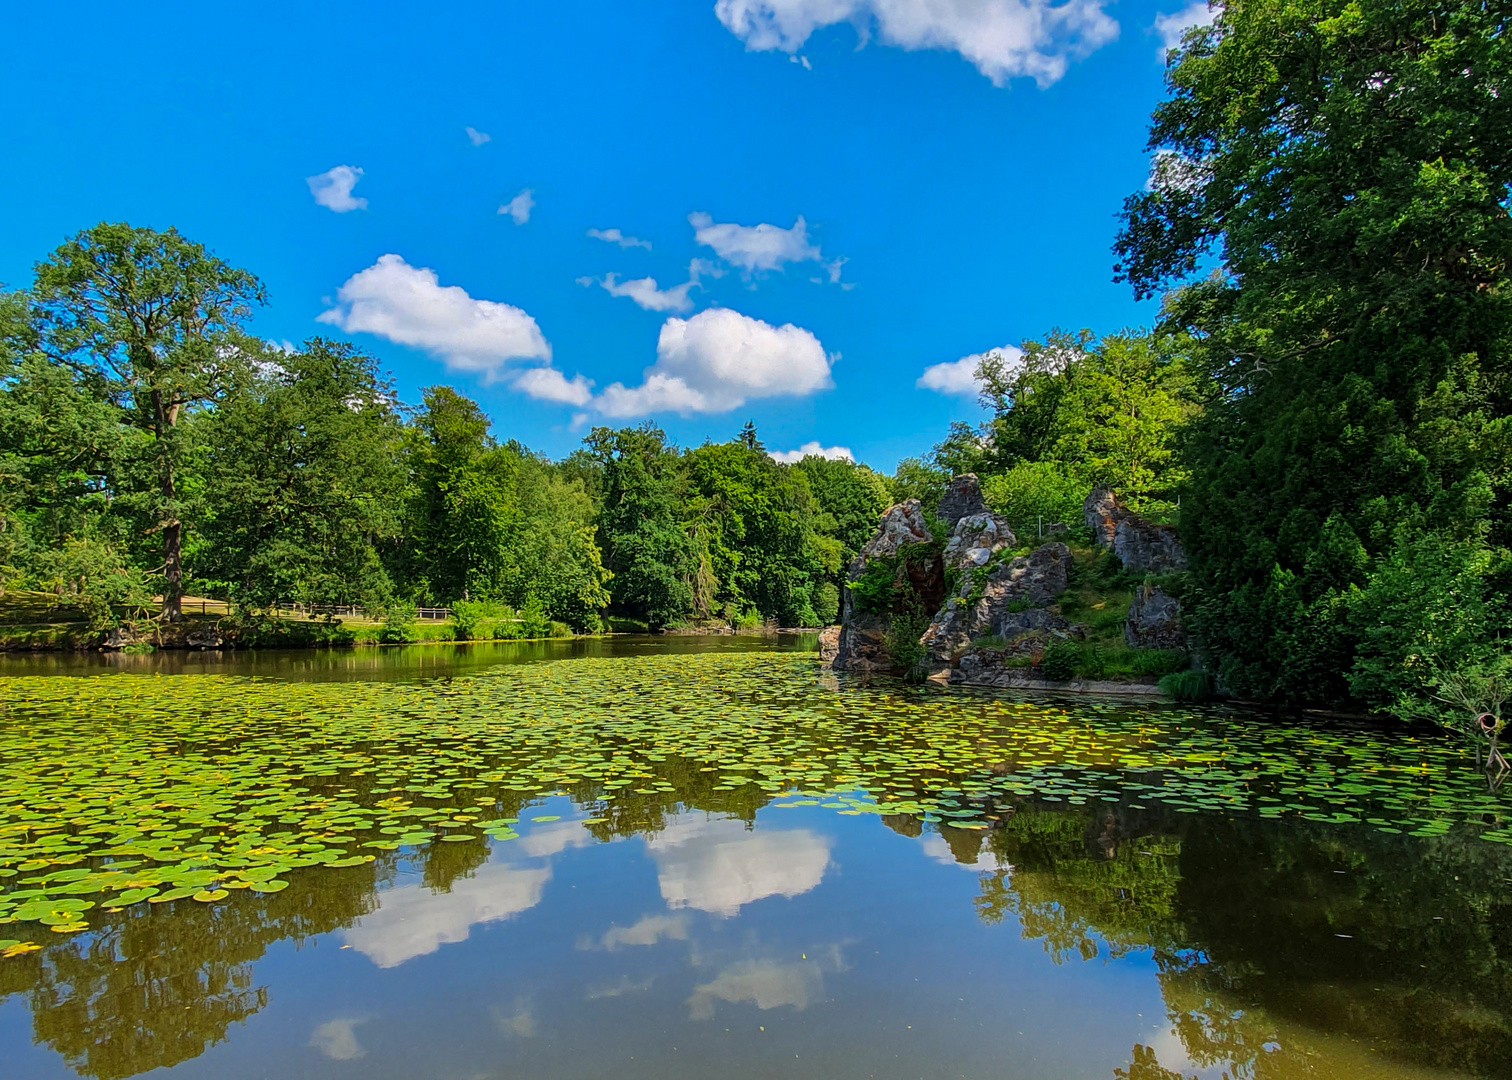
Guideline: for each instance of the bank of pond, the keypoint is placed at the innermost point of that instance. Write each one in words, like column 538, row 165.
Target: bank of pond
column 675, row 856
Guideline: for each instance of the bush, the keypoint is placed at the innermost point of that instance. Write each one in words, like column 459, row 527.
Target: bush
column 534, row 622
column 908, row 652
column 1187, row 685
column 1159, row 662
column 1036, row 490
column 398, row 624
column 472, row 616
column 1059, row 661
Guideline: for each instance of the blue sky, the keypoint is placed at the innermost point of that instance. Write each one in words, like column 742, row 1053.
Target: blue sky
column 957, row 166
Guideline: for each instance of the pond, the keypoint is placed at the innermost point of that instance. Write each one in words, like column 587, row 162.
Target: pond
column 689, row 857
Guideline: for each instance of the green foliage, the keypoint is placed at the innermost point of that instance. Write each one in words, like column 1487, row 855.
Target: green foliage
column 917, row 479
column 398, row 623
column 534, row 621
column 1190, row 686
column 826, row 604
column 310, row 482
column 1059, row 661
column 908, row 652
column 1350, row 165
column 1030, row 492
column 472, row 616
column 155, row 322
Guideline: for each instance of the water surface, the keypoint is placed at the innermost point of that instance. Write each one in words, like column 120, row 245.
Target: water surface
column 733, row 864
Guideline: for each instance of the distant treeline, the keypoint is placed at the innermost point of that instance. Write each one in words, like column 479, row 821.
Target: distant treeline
column 150, row 447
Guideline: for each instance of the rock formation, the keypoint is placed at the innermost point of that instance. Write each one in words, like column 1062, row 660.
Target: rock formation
column 1154, row 620
column 1014, row 599
column 863, row 634
column 962, row 498
column 1142, row 546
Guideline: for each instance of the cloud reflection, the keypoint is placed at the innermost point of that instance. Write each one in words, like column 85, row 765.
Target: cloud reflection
column 411, row 920
column 719, row 865
column 767, row 984
column 336, row 1039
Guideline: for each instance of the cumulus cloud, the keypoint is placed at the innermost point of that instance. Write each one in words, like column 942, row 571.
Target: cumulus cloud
column 333, row 188
column 549, row 384
column 959, row 376
column 519, row 207
column 614, row 236
column 407, row 305
column 476, row 137
column 813, row 449
column 716, row 361
column 1002, row 38
column 759, row 248
column 1171, row 27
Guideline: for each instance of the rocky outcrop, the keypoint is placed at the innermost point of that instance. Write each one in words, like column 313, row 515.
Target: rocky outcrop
column 829, row 644
column 1013, row 600
column 1154, row 620
column 976, row 538
column 962, row 498
column 862, row 644
column 1142, row 546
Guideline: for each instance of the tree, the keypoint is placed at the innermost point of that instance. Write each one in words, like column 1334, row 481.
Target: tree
column 646, row 545
column 755, row 519
column 310, row 481
column 160, row 321
column 1349, row 165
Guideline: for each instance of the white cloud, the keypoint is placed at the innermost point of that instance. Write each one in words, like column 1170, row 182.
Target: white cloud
column 1003, row 38
column 959, row 376
column 336, row 1040
column 549, row 384
column 716, row 361
column 333, row 188
column 407, row 305
column 1171, row 27
column 644, row 292
column 812, row 449
column 614, row 236
column 476, row 137
column 718, row 865
column 519, row 207
column 758, row 248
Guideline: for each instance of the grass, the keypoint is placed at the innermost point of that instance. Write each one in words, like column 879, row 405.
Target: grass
column 1098, row 597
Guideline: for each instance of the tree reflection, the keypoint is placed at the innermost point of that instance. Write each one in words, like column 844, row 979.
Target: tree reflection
column 155, row 987
column 1396, row 943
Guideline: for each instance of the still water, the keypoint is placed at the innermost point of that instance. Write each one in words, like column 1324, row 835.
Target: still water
column 688, row 858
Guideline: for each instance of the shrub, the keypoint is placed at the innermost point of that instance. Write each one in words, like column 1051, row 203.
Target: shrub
column 749, row 619
column 1059, row 661
column 1159, row 662
column 534, row 622
column 908, row 652
column 398, row 624
column 471, row 617
column 1187, row 685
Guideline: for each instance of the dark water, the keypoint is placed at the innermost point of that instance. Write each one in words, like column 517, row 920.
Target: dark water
column 787, row 940
column 391, row 663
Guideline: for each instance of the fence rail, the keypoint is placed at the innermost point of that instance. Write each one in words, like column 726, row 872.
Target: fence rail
column 205, row 606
